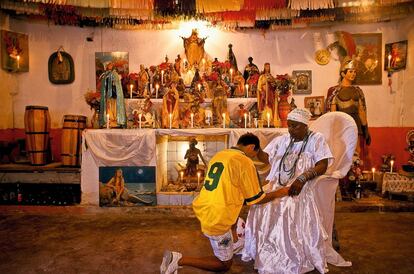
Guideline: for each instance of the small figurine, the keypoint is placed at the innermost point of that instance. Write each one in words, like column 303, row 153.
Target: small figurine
column 170, row 108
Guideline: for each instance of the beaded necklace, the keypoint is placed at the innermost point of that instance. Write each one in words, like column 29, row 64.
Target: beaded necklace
column 291, row 171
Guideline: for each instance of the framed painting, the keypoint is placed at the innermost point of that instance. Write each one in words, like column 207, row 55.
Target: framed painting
column 303, row 81
column 14, row 51
column 118, row 60
column 127, row 186
column 395, row 57
column 315, row 105
column 368, row 58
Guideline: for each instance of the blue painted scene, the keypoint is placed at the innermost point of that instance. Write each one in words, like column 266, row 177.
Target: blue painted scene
column 127, row 186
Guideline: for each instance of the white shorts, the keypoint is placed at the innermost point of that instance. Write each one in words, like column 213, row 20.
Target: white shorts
column 222, row 246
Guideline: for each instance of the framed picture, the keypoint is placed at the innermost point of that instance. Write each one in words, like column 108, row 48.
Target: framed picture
column 61, row 68
column 138, row 184
column 119, row 60
column 303, row 81
column 14, row 51
column 315, row 104
column 395, row 57
column 368, row 58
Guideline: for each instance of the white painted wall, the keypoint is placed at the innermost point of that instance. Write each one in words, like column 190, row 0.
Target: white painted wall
column 285, row 50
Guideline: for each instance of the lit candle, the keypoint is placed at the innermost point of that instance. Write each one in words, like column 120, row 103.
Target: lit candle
column 203, row 61
column 268, row 119
column 156, row 90
column 198, row 178
column 224, row 120
column 18, row 61
column 231, row 75
column 130, row 90
column 199, row 87
column 170, row 115
column 107, row 121
column 139, row 117
column 392, row 164
column 373, row 173
column 162, row 77
column 245, row 120
column 181, row 175
column 256, row 123
column 389, row 61
column 247, row 90
column 192, row 120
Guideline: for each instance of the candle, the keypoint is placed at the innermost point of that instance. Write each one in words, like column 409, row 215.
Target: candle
column 224, row 120
column 256, row 124
column 199, row 87
column 139, row 117
column 130, row 90
column 156, row 90
column 18, row 61
column 162, row 77
column 250, row 119
column 170, row 115
column 268, row 119
column 392, row 164
column 192, row 120
column 373, row 173
column 181, row 175
column 107, row 121
column 245, row 120
column 231, row 75
column 198, row 178
column 247, row 90
column 389, row 61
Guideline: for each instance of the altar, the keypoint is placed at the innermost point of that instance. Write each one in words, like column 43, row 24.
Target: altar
column 159, row 149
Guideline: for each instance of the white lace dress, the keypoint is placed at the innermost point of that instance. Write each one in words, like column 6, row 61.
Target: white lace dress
column 286, row 235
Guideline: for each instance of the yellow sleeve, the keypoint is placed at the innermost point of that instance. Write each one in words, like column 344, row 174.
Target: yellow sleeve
column 250, row 186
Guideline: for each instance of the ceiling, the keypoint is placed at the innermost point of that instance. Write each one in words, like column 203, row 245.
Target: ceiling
column 229, row 14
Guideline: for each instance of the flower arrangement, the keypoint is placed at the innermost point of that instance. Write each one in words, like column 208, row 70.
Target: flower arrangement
column 284, row 83
column 93, row 99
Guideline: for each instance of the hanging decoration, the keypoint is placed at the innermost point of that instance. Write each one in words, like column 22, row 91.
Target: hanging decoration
column 311, row 4
column 61, row 68
column 206, row 6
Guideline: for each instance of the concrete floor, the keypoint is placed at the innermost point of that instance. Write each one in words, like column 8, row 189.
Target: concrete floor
column 114, row 240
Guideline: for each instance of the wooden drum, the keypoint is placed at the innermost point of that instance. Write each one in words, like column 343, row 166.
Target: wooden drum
column 72, row 139
column 37, row 126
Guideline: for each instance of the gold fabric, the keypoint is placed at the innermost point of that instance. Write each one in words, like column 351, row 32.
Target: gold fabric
column 205, row 6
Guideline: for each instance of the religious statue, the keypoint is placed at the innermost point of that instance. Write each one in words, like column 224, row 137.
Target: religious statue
column 251, row 76
column 409, row 167
column 112, row 104
column 194, row 48
column 238, row 85
column 143, row 81
column 266, row 94
column 170, row 108
column 232, row 58
column 350, row 99
column 193, row 117
column 219, row 103
column 192, row 155
column 177, row 65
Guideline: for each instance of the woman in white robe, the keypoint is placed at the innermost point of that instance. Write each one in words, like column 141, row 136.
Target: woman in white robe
column 286, row 235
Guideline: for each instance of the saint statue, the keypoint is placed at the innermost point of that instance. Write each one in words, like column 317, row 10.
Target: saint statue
column 266, row 93
column 112, row 99
column 219, row 103
column 143, row 81
column 232, row 58
column 192, row 155
column 170, row 108
column 350, row 99
column 194, row 48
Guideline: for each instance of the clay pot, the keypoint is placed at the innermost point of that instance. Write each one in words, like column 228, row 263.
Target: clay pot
column 283, row 109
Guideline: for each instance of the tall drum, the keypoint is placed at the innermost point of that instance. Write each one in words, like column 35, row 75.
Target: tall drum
column 37, row 126
column 72, row 139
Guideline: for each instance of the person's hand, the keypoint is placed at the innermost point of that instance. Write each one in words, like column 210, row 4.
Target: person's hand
column 296, row 188
column 284, row 191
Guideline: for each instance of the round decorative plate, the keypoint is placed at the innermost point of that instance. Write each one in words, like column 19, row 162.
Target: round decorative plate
column 322, row 56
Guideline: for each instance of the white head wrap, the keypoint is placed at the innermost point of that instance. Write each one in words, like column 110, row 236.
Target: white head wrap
column 300, row 115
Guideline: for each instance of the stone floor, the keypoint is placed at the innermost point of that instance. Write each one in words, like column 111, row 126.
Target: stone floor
column 80, row 239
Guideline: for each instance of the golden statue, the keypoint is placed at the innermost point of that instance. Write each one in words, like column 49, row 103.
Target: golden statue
column 194, row 48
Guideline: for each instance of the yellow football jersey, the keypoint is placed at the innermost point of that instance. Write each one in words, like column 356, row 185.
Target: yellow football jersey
column 230, row 181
